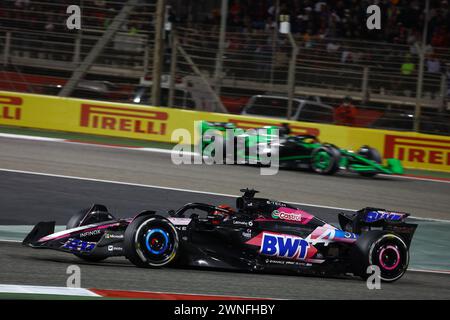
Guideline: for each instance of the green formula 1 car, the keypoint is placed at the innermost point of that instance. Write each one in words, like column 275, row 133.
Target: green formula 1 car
column 296, row 151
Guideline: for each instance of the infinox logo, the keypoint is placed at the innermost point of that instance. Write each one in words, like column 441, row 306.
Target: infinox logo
column 9, row 107
column 419, row 150
column 286, row 246
column 137, row 120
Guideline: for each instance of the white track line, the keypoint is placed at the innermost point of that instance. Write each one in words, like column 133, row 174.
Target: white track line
column 160, row 150
column 25, row 137
column 413, row 178
column 27, row 289
column 60, row 291
column 430, row 271
column 99, row 145
column 11, row 241
column 188, row 190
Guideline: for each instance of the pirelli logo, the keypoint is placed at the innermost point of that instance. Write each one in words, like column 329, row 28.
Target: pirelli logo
column 419, row 150
column 10, row 107
column 295, row 129
column 124, row 119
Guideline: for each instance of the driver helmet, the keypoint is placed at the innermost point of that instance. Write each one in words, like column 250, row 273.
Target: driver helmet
column 221, row 215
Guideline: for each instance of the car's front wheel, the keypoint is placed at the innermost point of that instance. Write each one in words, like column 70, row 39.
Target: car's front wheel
column 151, row 241
column 370, row 154
column 75, row 222
column 325, row 160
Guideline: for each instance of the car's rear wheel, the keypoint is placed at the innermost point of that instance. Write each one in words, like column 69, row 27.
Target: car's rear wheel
column 383, row 249
column 325, row 160
column 151, row 241
column 370, row 154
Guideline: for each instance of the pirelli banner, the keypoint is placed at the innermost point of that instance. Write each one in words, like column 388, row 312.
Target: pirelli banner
column 157, row 124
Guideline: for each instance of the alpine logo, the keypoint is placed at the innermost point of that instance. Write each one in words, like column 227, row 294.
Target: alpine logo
column 285, row 246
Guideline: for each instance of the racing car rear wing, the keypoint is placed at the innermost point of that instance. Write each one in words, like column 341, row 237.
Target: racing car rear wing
column 375, row 218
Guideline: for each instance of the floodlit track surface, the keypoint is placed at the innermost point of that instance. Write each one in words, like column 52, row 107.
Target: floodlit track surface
column 421, row 198
column 27, row 198
column 41, row 267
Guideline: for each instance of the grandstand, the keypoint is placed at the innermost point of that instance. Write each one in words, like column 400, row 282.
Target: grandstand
column 337, row 56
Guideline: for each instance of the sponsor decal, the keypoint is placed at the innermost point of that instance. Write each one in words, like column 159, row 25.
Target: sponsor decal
column 90, row 233
column 326, row 235
column 124, row 119
column 373, row 216
column 181, row 228
column 294, row 215
column 78, row 245
column 10, row 107
column 286, row 216
column 112, row 248
column 276, row 203
column 418, row 150
column 247, row 234
column 287, row 262
column 295, row 129
column 286, row 246
column 113, row 236
column 243, row 223
column 179, row 221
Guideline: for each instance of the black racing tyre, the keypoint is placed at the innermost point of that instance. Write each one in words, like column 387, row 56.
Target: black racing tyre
column 371, row 154
column 151, row 241
column 325, row 160
column 386, row 250
column 74, row 222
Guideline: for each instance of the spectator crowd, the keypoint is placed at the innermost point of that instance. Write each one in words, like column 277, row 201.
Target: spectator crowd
column 401, row 21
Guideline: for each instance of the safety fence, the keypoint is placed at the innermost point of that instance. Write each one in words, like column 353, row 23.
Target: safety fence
column 415, row 150
column 39, row 55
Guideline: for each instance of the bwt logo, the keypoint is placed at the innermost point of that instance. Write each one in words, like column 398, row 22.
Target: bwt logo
column 123, row 119
column 421, row 150
column 9, row 108
column 284, row 246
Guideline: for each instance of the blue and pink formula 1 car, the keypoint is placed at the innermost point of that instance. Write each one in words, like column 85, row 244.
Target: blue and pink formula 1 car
column 260, row 235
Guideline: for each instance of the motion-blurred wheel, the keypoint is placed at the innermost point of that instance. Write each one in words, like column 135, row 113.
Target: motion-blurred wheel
column 370, row 154
column 325, row 160
column 151, row 241
column 383, row 249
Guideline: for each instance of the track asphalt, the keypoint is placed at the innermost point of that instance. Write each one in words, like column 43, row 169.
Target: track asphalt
column 26, row 199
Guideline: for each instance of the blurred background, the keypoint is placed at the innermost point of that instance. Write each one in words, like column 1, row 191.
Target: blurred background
column 228, row 56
